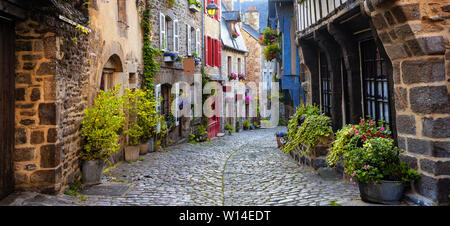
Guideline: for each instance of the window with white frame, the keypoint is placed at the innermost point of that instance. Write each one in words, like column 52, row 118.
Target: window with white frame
column 198, row 45
column 188, row 39
column 163, row 32
column 176, row 36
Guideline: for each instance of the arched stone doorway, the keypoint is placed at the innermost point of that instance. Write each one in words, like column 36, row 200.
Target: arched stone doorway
column 111, row 73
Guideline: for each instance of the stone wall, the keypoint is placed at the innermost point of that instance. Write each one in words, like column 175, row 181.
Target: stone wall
column 253, row 60
column 416, row 35
column 50, row 80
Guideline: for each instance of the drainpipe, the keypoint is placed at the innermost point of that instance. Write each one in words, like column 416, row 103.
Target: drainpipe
column 203, row 34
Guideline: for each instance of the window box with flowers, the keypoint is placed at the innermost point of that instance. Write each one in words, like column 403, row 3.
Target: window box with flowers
column 242, row 77
column 234, row 34
column 197, row 60
column 233, row 76
column 195, row 5
column 170, row 57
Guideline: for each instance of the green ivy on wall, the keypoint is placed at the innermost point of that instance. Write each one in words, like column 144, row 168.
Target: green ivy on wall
column 151, row 65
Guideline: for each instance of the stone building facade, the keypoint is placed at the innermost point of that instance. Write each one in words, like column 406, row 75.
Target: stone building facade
column 51, row 80
column 64, row 53
column 177, row 30
column 388, row 60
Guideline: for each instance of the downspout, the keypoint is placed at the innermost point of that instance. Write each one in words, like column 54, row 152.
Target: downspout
column 203, row 34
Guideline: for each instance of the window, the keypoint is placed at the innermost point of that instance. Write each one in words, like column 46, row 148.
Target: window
column 188, row 39
column 375, row 82
column 213, row 52
column 122, row 17
column 198, row 41
column 325, row 83
column 162, row 32
column 176, row 36
column 192, row 40
column 229, row 65
column 239, row 65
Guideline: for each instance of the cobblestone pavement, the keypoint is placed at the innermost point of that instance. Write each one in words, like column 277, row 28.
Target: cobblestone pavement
column 243, row 169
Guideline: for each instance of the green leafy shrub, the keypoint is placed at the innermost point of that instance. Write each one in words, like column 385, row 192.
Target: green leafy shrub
column 101, row 125
column 131, row 104
column 311, row 130
column 148, row 118
column 228, row 127
column 200, row 135
column 246, row 124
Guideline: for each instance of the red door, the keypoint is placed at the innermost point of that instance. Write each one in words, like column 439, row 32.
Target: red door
column 213, row 124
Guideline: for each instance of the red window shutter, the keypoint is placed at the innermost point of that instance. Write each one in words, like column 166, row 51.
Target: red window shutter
column 206, row 50
column 217, row 53
column 220, row 53
column 210, row 52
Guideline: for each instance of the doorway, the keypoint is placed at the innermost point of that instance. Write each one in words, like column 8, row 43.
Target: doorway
column 7, row 103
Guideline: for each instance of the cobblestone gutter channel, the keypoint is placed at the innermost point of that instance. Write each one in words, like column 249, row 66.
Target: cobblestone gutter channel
column 243, row 169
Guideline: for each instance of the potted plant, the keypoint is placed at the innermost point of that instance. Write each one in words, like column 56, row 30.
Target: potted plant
column 159, row 135
column 238, row 128
column 169, row 57
column 195, row 5
column 228, row 128
column 134, row 132
column 246, row 124
column 100, row 131
column 372, row 160
column 147, row 119
column 232, row 76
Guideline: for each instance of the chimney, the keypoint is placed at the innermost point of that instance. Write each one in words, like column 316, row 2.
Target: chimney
column 252, row 17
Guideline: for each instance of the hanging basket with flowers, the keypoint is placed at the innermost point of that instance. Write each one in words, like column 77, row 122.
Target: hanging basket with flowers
column 269, row 37
column 272, row 52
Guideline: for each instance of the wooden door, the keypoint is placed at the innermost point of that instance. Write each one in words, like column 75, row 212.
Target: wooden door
column 7, row 98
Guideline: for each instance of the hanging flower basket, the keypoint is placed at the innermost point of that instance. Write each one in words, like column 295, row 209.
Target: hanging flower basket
column 195, row 5
column 169, row 57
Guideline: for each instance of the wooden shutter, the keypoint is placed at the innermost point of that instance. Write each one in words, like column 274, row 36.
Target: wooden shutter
column 158, row 104
column 198, row 42
column 219, row 53
column 162, row 31
column 188, row 39
column 206, row 50
column 176, row 36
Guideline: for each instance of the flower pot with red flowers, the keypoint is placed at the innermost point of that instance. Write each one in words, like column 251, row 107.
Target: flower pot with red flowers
column 372, row 160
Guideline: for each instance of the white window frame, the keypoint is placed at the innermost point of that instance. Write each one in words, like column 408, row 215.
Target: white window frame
column 177, row 104
column 188, row 39
column 176, row 36
column 198, row 39
column 162, row 32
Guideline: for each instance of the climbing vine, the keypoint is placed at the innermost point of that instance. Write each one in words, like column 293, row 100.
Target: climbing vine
column 151, row 65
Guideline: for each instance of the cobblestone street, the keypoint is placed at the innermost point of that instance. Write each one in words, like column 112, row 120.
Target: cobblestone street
column 242, row 169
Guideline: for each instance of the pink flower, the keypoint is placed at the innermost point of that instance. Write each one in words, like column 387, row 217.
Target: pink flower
column 351, row 179
column 354, row 183
column 383, row 129
column 351, row 132
column 356, row 131
column 362, row 121
column 354, row 173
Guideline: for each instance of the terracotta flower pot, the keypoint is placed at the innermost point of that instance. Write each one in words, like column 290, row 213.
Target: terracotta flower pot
column 143, row 148
column 132, row 153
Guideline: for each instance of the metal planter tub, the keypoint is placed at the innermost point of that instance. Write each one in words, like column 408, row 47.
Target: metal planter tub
column 387, row 192
column 92, row 171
